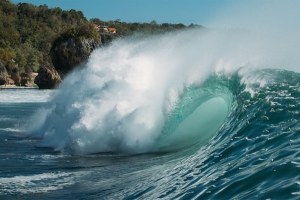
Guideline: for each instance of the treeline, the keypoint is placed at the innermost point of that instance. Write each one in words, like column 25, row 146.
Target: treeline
column 27, row 33
column 124, row 28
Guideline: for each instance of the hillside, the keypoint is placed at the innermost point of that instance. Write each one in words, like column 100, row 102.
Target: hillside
column 27, row 33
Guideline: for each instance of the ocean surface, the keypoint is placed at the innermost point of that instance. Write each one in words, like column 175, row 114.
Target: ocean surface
column 253, row 153
column 216, row 117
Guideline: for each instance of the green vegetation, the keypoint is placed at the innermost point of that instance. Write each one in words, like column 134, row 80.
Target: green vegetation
column 27, row 32
column 84, row 31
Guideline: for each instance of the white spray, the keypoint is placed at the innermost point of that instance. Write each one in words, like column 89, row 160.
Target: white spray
column 120, row 100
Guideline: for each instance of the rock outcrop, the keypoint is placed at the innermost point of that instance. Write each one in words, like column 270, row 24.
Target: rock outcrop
column 16, row 78
column 73, row 48
column 9, row 74
column 68, row 51
column 47, row 78
column 3, row 74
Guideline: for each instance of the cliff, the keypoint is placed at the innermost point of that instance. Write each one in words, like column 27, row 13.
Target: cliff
column 69, row 50
column 37, row 37
column 74, row 47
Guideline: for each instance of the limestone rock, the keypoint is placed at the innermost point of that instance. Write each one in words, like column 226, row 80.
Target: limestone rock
column 69, row 53
column 47, row 78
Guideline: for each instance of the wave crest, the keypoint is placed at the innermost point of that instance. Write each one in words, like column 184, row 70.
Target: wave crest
column 121, row 101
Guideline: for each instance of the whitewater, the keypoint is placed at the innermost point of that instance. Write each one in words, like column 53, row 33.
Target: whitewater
column 145, row 95
column 194, row 114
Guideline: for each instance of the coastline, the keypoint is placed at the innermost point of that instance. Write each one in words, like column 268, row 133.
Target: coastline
column 16, row 87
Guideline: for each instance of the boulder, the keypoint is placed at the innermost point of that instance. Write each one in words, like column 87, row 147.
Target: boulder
column 47, row 78
column 26, row 80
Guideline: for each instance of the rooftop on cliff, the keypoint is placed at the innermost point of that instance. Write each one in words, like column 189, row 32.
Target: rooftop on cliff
column 28, row 32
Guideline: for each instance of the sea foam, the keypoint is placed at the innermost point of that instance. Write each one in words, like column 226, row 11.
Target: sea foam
column 121, row 99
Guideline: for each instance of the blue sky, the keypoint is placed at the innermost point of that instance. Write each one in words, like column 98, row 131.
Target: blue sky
column 261, row 15
column 171, row 11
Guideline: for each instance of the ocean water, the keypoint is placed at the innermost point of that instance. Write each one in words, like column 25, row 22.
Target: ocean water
column 141, row 121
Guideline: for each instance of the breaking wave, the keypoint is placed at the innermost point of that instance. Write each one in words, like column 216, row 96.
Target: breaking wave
column 160, row 93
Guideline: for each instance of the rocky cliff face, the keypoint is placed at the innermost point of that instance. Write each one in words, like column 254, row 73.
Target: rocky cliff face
column 66, row 54
column 9, row 74
column 69, row 53
column 15, row 76
column 3, row 74
column 47, row 78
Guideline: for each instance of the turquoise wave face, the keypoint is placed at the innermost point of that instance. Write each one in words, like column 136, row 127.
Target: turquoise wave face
column 253, row 154
column 198, row 116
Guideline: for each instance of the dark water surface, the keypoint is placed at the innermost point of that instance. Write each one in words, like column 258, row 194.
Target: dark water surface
column 255, row 154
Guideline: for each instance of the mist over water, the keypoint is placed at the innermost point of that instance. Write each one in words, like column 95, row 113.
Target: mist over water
column 121, row 101
column 197, row 114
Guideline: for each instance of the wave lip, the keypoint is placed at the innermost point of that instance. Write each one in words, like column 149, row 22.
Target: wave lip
column 121, row 101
